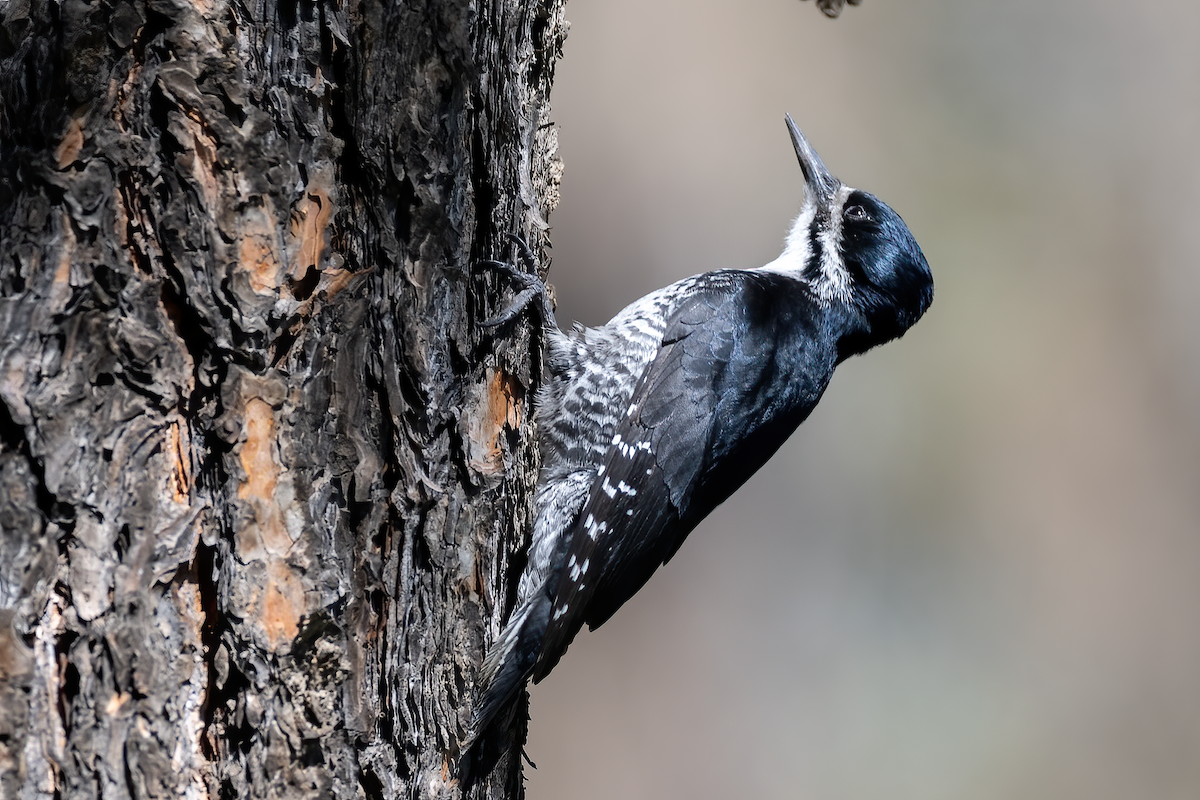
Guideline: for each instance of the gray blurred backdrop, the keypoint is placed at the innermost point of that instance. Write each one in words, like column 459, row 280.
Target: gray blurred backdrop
column 974, row 573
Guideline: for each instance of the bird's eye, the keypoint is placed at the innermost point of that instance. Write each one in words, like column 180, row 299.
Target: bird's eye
column 856, row 214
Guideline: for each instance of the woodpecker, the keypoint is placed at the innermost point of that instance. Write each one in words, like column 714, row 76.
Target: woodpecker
column 649, row 422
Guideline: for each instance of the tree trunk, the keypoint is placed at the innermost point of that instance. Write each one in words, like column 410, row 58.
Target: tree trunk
column 263, row 480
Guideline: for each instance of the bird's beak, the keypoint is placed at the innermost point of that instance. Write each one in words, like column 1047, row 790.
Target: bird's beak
column 819, row 181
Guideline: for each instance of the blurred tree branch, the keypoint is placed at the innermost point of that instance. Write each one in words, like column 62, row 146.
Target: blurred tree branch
column 832, row 8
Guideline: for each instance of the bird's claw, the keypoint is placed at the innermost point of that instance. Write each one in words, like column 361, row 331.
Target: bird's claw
column 531, row 286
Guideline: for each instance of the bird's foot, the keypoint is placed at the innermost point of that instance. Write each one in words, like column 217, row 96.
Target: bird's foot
column 531, row 286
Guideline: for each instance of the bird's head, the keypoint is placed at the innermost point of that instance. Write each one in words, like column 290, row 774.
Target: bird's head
column 857, row 254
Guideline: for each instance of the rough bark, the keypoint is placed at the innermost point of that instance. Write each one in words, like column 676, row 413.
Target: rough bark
column 263, row 481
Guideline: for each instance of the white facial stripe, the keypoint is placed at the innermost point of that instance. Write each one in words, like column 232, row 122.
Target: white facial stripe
column 832, row 281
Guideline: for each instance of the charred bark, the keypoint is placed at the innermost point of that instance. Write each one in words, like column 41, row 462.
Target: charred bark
column 263, row 481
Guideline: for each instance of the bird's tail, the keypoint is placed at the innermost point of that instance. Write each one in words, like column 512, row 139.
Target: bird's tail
column 509, row 664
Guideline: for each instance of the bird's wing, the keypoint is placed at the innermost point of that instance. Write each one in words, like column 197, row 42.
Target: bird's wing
column 641, row 507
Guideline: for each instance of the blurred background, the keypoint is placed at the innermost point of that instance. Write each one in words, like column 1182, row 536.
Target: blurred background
column 975, row 571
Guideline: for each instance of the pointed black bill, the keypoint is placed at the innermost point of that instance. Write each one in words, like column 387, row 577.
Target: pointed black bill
column 820, row 182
